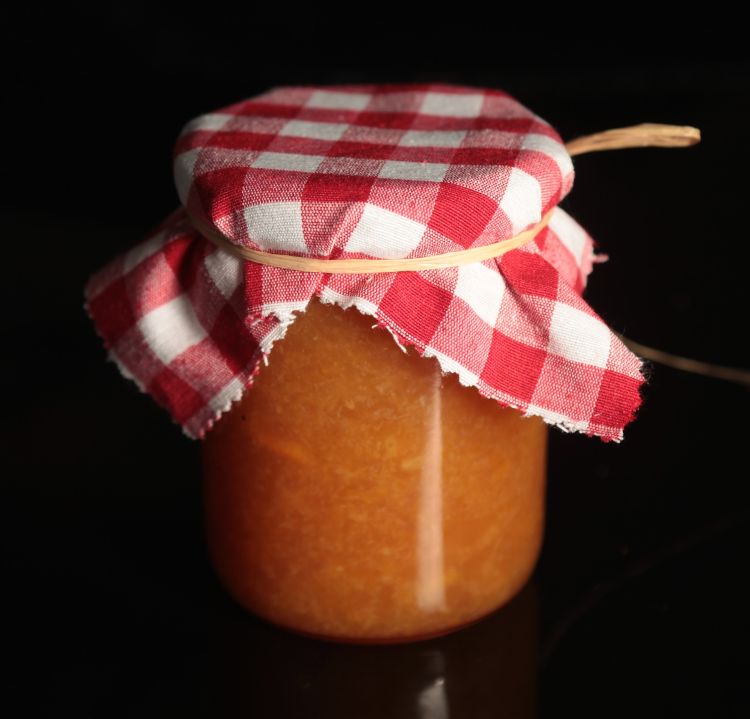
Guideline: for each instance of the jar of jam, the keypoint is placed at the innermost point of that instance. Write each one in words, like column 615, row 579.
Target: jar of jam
column 356, row 493
column 360, row 484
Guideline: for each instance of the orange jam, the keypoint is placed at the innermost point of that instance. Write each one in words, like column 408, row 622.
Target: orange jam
column 355, row 493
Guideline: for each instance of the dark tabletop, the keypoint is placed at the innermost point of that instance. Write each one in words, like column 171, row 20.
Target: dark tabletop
column 638, row 606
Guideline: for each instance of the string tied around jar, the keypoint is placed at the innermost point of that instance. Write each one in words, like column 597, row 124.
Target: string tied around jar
column 641, row 135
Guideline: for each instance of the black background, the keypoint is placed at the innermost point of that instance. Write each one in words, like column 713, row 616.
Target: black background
column 638, row 605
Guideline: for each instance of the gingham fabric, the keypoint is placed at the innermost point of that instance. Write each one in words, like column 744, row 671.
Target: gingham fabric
column 369, row 171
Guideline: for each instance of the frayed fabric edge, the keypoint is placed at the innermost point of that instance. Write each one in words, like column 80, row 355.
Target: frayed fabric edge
column 286, row 318
column 110, row 354
column 403, row 342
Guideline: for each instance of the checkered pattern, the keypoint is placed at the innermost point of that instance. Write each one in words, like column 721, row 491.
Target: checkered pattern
column 369, row 171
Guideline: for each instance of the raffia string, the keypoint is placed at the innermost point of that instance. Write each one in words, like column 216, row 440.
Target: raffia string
column 353, row 266
column 729, row 374
column 653, row 135
column 645, row 135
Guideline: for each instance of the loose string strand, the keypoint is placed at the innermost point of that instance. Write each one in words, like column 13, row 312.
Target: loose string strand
column 730, row 374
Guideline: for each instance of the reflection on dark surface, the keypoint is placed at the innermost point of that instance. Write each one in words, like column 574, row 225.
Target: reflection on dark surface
column 666, row 636
column 137, row 626
column 253, row 669
column 487, row 670
column 155, row 638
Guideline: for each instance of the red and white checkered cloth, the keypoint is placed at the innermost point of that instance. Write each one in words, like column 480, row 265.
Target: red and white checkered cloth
column 369, row 171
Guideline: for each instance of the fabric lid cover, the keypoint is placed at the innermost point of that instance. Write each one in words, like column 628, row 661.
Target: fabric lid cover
column 369, row 171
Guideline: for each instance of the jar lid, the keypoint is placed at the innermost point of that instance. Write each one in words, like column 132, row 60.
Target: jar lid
column 383, row 171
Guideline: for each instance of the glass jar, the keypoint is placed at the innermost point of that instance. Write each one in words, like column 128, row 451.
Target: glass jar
column 355, row 493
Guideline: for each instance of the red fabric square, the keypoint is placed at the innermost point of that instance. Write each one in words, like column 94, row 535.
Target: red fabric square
column 258, row 108
column 253, row 284
column 461, row 214
column 238, row 347
column 112, row 312
column 485, row 156
column 518, row 125
column 415, row 305
column 513, row 367
column 393, row 120
column 214, row 202
column 619, row 397
column 177, row 396
column 530, row 274
column 234, row 140
column 148, row 287
column 337, row 188
column 185, row 258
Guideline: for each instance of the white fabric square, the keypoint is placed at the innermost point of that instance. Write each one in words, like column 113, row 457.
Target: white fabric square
column 314, row 130
column 429, row 171
column 287, row 161
column 338, row 100
column 276, row 226
column 522, row 200
column 385, row 234
column 436, row 138
column 452, row 105
column 172, row 328
column 482, row 289
column 570, row 233
column 225, row 271
column 578, row 336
